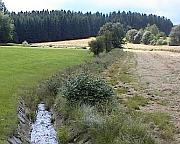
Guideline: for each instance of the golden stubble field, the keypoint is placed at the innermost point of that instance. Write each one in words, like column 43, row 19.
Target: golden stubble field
column 80, row 43
column 83, row 43
column 152, row 48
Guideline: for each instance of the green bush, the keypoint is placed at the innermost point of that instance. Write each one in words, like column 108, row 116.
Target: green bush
column 97, row 46
column 87, row 90
column 6, row 28
column 111, row 36
column 138, row 37
column 161, row 35
column 150, row 35
column 153, row 29
column 147, row 38
column 153, row 42
column 116, row 31
column 175, row 36
column 161, row 42
column 130, row 35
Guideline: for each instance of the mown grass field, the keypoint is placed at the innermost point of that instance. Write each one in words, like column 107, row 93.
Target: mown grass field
column 23, row 67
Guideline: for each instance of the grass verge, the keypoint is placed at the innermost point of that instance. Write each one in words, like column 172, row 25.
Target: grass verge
column 131, row 94
column 162, row 120
column 135, row 102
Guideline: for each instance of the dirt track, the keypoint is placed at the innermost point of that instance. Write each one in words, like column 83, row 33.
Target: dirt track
column 161, row 72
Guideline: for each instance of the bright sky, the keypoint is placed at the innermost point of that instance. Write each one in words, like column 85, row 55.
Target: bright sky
column 167, row 8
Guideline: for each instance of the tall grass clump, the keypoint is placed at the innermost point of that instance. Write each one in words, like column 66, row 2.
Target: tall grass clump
column 85, row 123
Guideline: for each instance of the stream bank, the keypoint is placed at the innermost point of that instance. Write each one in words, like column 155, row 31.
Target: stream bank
column 39, row 132
column 22, row 134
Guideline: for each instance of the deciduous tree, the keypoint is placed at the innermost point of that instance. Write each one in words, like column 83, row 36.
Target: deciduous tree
column 130, row 35
column 147, row 37
column 116, row 31
column 175, row 36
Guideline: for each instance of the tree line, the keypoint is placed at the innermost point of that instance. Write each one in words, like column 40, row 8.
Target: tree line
column 113, row 35
column 38, row 26
column 45, row 25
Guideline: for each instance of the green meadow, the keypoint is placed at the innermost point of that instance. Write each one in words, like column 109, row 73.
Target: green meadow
column 24, row 67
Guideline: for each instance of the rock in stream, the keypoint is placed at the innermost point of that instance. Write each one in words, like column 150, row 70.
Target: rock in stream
column 43, row 131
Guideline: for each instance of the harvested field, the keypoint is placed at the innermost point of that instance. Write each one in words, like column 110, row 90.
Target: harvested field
column 81, row 43
column 152, row 48
column 160, row 71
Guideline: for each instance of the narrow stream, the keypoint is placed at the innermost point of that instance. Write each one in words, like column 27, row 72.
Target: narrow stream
column 43, row 131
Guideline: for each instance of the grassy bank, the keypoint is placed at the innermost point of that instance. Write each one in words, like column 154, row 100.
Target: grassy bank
column 24, row 67
column 111, row 122
column 118, row 120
